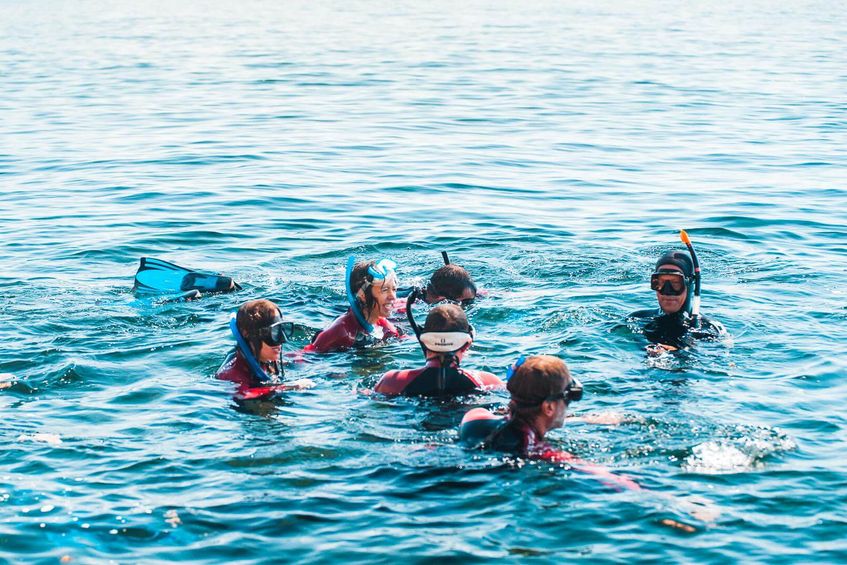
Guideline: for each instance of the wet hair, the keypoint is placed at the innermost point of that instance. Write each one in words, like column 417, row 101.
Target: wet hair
column 252, row 317
column 537, row 379
column 360, row 278
column 447, row 318
column 450, row 281
column 679, row 259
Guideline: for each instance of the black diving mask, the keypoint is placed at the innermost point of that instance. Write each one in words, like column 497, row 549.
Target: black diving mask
column 463, row 303
column 668, row 283
column 277, row 333
column 572, row 392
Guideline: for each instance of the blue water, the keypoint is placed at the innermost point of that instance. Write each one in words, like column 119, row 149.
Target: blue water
column 553, row 148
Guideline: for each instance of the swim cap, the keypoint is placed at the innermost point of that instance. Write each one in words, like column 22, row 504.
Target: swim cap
column 677, row 259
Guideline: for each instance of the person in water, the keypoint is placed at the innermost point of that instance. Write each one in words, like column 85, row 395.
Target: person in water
column 445, row 339
column 541, row 388
column 672, row 326
column 255, row 365
column 450, row 282
column 371, row 292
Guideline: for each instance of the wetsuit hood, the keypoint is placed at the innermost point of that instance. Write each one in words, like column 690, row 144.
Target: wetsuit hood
column 681, row 260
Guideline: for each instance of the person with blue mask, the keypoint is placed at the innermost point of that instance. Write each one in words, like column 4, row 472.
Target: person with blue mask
column 255, row 365
column 677, row 322
column 371, row 293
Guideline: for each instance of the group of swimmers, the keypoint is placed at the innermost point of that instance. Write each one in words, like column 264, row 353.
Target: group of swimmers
column 540, row 386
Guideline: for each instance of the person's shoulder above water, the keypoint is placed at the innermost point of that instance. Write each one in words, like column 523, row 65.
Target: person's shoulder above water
column 481, row 429
column 340, row 334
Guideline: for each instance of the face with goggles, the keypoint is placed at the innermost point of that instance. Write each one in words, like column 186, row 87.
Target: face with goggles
column 671, row 286
column 381, row 285
column 272, row 337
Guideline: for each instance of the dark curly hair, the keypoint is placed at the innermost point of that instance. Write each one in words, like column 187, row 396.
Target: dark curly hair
column 450, row 281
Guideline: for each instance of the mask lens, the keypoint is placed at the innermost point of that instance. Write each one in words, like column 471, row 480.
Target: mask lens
column 382, row 270
column 668, row 283
column 277, row 333
column 572, row 392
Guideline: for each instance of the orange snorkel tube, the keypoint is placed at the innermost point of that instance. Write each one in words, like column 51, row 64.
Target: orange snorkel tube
column 695, row 301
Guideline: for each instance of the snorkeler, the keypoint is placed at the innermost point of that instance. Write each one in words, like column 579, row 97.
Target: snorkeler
column 255, row 365
column 541, row 388
column 371, row 292
column 677, row 321
column 449, row 282
column 445, row 338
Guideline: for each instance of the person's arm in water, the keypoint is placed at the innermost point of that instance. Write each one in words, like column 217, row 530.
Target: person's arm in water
column 260, row 392
column 489, row 381
column 393, row 383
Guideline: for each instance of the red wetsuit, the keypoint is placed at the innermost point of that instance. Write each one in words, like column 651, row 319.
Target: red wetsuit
column 236, row 369
column 481, row 428
column 430, row 381
column 345, row 332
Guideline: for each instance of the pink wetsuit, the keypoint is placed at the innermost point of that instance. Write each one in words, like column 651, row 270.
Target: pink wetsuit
column 345, row 332
column 430, row 380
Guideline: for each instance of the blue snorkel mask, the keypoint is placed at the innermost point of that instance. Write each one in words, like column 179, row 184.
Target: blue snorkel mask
column 382, row 270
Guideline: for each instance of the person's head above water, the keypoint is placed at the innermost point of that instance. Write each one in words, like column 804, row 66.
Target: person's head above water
column 672, row 280
column 261, row 325
column 451, row 282
column 541, row 387
column 375, row 286
column 446, row 332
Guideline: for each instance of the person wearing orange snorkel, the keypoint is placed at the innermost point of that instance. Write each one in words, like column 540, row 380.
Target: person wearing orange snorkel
column 677, row 322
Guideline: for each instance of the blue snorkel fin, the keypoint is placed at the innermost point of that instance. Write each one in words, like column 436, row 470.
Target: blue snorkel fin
column 351, row 298
column 245, row 351
column 155, row 276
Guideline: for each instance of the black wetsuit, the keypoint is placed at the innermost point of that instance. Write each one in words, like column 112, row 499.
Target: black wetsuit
column 675, row 329
column 500, row 434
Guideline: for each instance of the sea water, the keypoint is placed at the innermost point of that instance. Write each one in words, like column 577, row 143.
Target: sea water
column 552, row 148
